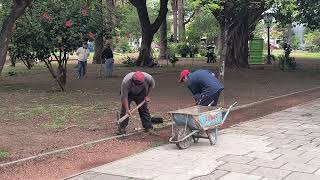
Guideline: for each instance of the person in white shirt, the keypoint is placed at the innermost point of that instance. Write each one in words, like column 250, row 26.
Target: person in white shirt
column 83, row 54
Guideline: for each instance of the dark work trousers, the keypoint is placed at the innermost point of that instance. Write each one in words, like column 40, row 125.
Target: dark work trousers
column 143, row 111
column 207, row 99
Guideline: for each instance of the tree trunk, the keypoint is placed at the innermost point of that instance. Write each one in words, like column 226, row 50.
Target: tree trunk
column 7, row 29
column 237, row 50
column 163, row 40
column 145, row 49
column 175, row 20
column 289, row 34
column 98, row 48
column 181, row 20
column 148, row 29
column 238, row 27
column 109, row 5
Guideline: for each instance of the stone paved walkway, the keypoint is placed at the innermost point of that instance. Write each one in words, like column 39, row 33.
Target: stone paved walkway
column 283, row 145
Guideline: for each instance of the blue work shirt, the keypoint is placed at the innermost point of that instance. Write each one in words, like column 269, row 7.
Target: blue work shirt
column 203, row 83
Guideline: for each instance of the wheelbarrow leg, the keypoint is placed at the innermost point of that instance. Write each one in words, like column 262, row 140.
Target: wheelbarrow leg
column 213, row 136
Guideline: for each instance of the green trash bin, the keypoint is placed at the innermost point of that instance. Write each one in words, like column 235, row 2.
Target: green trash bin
column 256, row 51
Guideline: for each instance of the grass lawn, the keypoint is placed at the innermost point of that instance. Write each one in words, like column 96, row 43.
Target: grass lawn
column 298, row 54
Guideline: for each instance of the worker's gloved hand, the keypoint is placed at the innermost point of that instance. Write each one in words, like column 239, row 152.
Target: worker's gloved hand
column 147, row 99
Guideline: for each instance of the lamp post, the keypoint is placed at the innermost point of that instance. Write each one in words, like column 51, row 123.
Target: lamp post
column 268, row 17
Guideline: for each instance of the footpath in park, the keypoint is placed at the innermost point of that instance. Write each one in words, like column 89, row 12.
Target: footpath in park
column 283, row 145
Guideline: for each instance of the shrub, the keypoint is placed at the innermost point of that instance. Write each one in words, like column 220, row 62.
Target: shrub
column 172, row 57
column 128, row 61
column 287, row 63
column 183, row 49
column 124, row 46
column 193, row 50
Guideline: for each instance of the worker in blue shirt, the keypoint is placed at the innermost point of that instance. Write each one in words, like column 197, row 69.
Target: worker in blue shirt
column 204, row 86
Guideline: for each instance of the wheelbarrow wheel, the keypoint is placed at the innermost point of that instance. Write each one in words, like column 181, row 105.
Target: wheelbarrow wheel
column 182, row 132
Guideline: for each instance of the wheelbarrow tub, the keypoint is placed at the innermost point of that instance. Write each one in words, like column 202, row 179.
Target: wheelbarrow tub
column 199, row 117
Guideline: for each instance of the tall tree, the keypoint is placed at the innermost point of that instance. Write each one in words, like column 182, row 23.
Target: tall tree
column 174, row 7
column 108, row 10
column 181, row 28
column 51, row 30
column 309, row 13
column 17, row 10
column 148, row 28
column 163, row 40
column 237, row 20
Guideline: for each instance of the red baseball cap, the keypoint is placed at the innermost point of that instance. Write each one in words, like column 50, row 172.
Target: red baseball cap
column 138, row 76
column 183, row 74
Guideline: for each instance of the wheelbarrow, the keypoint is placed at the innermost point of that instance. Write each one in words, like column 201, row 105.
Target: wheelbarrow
column 197, row 122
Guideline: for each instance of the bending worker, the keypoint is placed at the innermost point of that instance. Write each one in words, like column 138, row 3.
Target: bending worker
column 136, row 86
column 204, row 86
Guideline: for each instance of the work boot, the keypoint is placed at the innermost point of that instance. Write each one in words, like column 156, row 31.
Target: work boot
column 151, row 131
column 121, row 131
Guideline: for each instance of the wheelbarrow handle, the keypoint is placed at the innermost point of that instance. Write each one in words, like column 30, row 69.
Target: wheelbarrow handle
column 228, row 111
column 126, row 116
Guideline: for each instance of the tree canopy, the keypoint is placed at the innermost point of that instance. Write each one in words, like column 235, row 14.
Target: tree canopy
column 51, row 29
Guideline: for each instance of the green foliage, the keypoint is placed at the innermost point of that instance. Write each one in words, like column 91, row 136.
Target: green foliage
column 203, row 25
column 183, row 49
column 295, row 42
column 129, row 22
column 259, row 29
column 42, row 32
column 128, row 61
column 309, row 12
column 4, row 154
column 4, row 10
column 173, row 48
column 172, row 56
column 287, row 64
column 40, row 35
column 313, row 41
column 124, row 45
column 285, row 11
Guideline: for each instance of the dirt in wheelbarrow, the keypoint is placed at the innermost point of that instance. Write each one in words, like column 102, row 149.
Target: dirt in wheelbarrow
column 80, row 159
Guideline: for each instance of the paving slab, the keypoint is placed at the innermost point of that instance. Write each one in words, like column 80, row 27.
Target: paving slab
column 302, row 176
column 270, row 173
column 283, row 145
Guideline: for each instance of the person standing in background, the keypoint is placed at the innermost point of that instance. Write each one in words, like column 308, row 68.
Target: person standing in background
column 83, row 54
column 107, row 55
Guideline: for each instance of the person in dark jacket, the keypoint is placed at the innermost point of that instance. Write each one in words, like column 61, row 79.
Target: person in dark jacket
column 204, row 86
column 107, row 55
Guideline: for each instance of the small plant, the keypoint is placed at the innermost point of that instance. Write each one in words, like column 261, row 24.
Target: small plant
column 172, row 58
column 172, row 55
column 128, row 61
column 286, row 64
column 12, row 72
column 4, row 154
column 88, row 147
